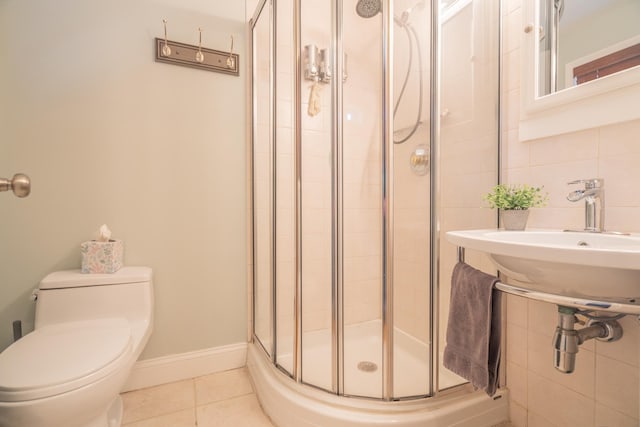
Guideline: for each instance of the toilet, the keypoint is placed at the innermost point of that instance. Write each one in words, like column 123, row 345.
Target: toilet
column 89, row 331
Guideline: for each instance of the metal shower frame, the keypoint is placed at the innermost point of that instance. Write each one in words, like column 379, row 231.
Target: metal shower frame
column 337, row 324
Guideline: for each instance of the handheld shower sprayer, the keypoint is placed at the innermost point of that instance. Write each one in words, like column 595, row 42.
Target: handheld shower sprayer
column 370, row 8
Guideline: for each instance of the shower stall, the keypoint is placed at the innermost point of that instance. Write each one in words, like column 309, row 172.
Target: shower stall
column 374, row 130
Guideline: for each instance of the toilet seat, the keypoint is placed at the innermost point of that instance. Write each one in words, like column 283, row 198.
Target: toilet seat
column 62, row 357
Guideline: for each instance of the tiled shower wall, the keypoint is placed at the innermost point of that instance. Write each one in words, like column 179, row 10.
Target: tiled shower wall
column 362, row 173
column 362, row 176
column 362, row 181
column 412, row 196
column 604, row 389
column 468, row 133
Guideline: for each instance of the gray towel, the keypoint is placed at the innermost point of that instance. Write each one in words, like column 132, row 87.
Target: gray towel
column 473, row 332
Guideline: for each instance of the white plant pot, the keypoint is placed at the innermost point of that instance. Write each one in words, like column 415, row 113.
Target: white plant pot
column 515, row 219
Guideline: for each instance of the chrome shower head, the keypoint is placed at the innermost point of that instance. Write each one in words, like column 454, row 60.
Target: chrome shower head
column 368, row 8
column 406, row 14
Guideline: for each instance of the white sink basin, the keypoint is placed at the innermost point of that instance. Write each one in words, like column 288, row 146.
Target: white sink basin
column 591, row 265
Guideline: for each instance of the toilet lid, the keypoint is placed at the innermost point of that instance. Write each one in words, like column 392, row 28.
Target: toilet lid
column 57, row 358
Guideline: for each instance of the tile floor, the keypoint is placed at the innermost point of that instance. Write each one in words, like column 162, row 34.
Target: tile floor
column 221, row 399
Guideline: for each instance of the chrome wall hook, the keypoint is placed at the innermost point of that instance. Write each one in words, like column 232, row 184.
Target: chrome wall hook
column 166, row 50
column 199, row 54
column 230, row 60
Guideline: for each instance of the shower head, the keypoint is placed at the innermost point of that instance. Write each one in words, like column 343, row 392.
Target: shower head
column 406, row 14
column 368, row 8
column 419, row 5
column 559, row 7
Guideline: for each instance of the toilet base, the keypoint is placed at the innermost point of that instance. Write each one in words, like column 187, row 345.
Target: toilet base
column 111, row 418
column 78, row 408
column 114, row 414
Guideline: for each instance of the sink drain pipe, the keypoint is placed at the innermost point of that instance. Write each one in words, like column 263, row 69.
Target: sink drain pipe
column 567, row 338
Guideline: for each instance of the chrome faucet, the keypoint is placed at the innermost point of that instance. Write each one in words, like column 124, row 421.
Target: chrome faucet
column 593, row 195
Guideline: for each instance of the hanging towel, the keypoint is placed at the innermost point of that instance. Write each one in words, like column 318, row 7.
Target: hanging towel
column 474, row 328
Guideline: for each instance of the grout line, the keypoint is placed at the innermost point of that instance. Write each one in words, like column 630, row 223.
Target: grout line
column 156, row 416
column 195, row 392
column 195, row 401
column 226, row 400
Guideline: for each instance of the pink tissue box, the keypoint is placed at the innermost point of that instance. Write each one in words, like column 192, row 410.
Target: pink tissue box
column 101, row 257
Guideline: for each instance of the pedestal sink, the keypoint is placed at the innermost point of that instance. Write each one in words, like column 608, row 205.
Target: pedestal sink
column 593, row 266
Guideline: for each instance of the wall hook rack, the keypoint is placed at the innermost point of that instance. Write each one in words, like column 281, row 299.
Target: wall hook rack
column 185, row 55
column 176, row 53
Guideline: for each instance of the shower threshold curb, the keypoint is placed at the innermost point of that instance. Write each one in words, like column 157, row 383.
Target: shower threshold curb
column 290, row 404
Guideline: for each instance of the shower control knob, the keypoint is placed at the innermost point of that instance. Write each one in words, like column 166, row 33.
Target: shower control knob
column 20, row 184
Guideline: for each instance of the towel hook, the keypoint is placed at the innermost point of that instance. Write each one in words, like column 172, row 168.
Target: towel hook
column 166, row 50
column 230, row 61
column 199, row 54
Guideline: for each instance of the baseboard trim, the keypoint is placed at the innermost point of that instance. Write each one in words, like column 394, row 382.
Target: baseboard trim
column 176, row 367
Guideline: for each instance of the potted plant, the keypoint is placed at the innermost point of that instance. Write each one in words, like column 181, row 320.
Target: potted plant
column 514, row 202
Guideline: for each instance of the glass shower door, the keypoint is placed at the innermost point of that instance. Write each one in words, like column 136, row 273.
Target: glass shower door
column 351, row 196
column 469, row 135
column 362, row 174
column 285, row 187
column 317, row 255
column 412, row 205
column 263, row 256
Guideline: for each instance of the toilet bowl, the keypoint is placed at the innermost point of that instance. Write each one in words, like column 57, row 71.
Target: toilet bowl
column 89, row 331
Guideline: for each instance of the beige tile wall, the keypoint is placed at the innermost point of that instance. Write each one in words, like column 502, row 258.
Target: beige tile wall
column 411, row 269
column 362, row 189
column 468, row 148
column 603, row 391
column 362, row 146
column 316, row 182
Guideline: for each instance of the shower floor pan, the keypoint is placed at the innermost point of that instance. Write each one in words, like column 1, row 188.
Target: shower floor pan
column 362, row 352
column 290, row 404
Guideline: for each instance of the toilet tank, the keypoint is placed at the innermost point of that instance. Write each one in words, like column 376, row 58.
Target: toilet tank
column 66, row 296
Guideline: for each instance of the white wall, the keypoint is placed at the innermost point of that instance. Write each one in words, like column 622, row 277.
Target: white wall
column 107, row 135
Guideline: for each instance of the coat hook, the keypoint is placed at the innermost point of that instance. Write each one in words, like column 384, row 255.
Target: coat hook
column 166, row 50
column 199, row 54
column 230, row 60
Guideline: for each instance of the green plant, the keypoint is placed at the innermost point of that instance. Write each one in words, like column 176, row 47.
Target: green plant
column 511, row 197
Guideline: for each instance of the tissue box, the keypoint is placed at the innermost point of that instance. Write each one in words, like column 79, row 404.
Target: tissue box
column 101, row 257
